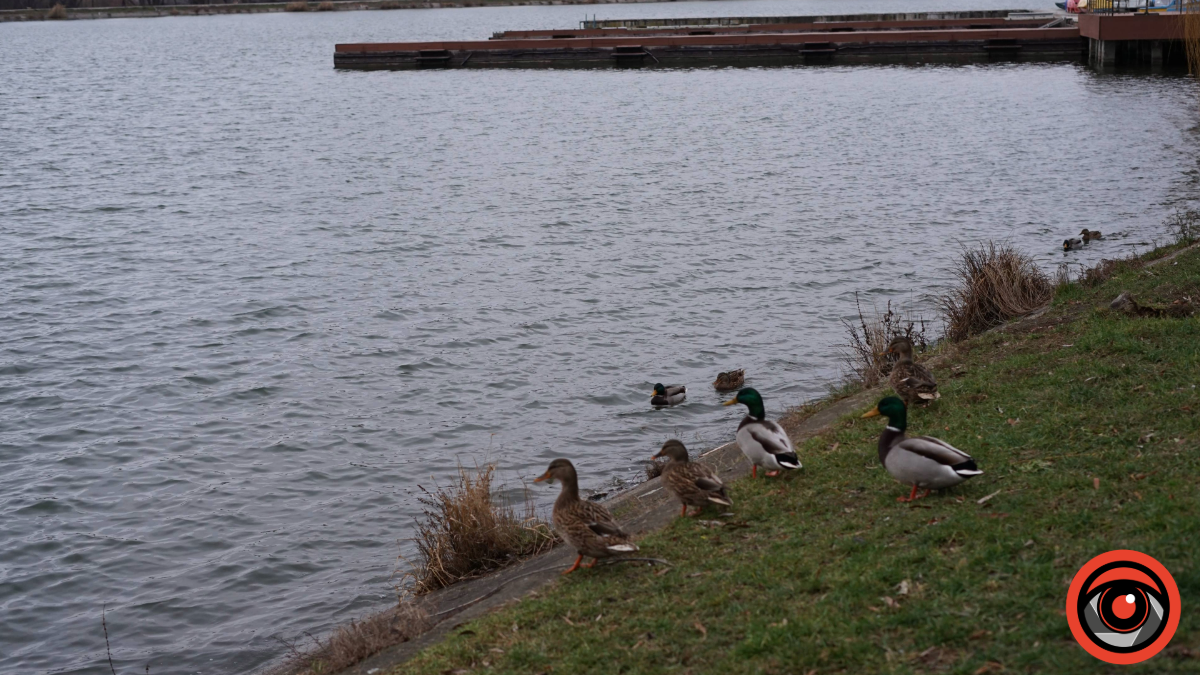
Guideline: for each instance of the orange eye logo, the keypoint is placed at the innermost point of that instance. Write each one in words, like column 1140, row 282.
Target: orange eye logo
column 1123, row 607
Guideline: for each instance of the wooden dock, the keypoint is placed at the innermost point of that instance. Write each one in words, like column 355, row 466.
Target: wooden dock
column 940, row 36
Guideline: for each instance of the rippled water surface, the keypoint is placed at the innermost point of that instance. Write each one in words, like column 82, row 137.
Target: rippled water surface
column 249, row 302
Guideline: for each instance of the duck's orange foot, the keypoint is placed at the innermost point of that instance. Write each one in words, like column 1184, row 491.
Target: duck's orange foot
column 772, row 474
column 574, row 567
column 911, row 496
column 591, row 564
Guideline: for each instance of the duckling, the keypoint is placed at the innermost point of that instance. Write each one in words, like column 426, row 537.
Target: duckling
column 1071, row 244
column 923, row 461
column 730, row 381
column 672, row 395
column 912, row 381
column 1089, row 235
column 587, row 526
column 763, row 441
column 692, row 483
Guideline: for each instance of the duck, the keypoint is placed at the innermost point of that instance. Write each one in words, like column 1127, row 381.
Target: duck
column 912, row 381
column 692, row 483
column 922, row 461
column 1073, row 243
column 672, row 395
column 1089, row 235
column 587, row 526
column 731, row 380
column 763, row 441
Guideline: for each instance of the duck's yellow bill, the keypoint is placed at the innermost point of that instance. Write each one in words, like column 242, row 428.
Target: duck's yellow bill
column 545, row 476
column 730, row 401
column 871, row 413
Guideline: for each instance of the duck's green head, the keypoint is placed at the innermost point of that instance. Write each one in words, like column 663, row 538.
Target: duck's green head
column 752, row 400
column 660, row 390
column 892, row 408
column 1066, row 244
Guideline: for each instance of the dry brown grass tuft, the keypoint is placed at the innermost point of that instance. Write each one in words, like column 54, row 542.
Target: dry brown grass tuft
column 1184, row 225
column 325, row 6
column 869, row 338
column 996, row 283
column 355, row 641
column 390, row 5
column 654, row 469
column 467, row 531
column 296, row 7
column 1191, row 34
column 57, row 12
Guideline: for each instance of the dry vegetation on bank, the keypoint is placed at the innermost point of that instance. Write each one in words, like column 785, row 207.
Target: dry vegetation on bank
column 997, row 283
column 467, row 530
column 355, row 641
column 870, row 337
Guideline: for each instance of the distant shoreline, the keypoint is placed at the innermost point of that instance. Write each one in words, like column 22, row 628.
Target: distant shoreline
column 260, row 7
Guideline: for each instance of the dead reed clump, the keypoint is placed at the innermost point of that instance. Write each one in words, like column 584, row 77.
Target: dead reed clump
column 353, row 642
column 1191, row 34
column 467, row 531
column 296, row 7
column 654, row 469
column 996, row 283
column 869, row 338
column 390, row 4
column 1184, row 225
column 325, row 6
column 57, row 12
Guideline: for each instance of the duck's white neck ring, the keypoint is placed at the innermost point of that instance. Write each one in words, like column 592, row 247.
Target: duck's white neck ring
column 892, row 428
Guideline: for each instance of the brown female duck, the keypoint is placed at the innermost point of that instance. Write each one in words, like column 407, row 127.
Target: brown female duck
column 731, row 380
column 912, row 381
column 694, row 484
column 587, row 526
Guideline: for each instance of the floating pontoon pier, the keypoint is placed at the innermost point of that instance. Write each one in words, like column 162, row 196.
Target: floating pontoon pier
column 933, row 36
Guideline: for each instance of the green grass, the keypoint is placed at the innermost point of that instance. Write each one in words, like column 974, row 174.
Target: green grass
column 824, row 571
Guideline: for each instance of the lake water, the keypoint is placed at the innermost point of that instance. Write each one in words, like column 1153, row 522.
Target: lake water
column 250, row 303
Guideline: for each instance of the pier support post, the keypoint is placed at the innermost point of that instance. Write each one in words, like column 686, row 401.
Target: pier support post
column 1156, row 53
column 1102, row 52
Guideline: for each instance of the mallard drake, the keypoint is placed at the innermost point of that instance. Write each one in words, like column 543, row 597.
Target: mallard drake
column 1089, row 235
column 923, row 461
column 587, row 526
column 763, row 441
column 694, row 484
column 671, row 395
column 1073, row 243
column 912, row 381
column 731, row 380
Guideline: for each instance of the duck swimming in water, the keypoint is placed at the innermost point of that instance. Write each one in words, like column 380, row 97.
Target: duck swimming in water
column 1089, row 235
column 672, row 395
column 1072, row 244
column 731, row 380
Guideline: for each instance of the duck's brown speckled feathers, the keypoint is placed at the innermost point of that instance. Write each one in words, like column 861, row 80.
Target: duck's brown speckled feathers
column 587, row 526
column 694, row 484
column 730, row 380
column 912, row 381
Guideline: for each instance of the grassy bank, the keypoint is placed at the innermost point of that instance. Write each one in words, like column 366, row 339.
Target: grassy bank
column 1085, row 422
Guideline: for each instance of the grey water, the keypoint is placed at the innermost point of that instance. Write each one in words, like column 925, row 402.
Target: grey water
column 248, row 304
